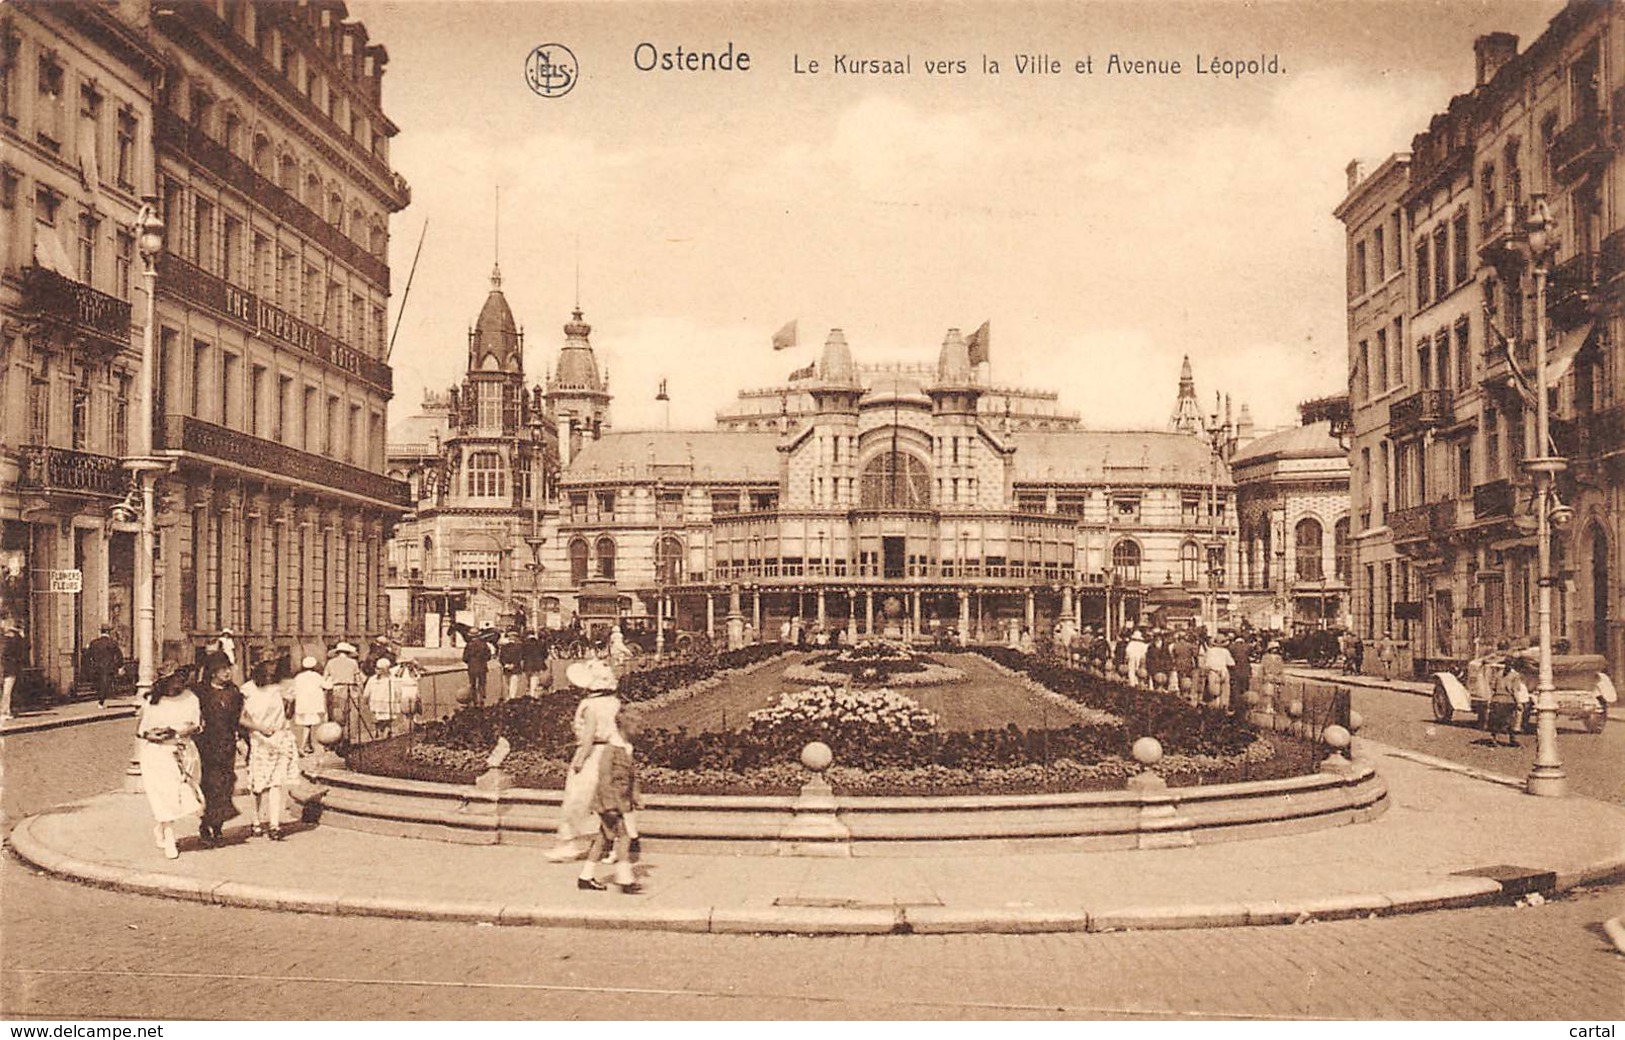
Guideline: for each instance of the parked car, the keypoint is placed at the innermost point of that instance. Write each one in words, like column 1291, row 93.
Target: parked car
column 1583, row 689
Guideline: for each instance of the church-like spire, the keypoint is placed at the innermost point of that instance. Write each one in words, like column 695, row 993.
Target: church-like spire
column 1187, row 417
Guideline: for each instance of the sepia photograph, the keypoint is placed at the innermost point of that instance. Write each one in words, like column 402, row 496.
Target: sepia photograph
column 714, row 512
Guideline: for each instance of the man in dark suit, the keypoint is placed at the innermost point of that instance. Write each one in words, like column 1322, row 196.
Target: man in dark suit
column 477, row 656
column 103, row 658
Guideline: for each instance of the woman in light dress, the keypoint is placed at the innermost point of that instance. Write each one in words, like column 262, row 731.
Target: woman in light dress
column 382, row 695
column 595, row 730
column 168, row 759
column 273, row 754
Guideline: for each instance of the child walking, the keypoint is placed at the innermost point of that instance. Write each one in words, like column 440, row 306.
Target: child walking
column 614, row 798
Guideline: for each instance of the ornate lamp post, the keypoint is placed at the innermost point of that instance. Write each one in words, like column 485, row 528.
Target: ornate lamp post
column 1546, row 777
column 1218, row 432
column 142, row 464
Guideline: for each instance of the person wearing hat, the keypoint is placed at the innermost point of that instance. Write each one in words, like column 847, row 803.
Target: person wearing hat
column 595, row 729
column 105, row 659
column 227, row 645
column 167, row 755
column 273, row 756
column 1134, row 656
column 1509, row 697
column 344, row 678
column 380, row 695
column 477, row 659
column 1272, row 676
column 310, row 689
column 220, row 704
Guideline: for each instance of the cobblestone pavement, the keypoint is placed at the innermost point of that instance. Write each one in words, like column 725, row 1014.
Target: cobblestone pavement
column 70, row 951
column 75, row 952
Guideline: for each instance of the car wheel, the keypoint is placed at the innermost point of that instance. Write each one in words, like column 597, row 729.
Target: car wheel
column 1442, row 709
column 1597, row 719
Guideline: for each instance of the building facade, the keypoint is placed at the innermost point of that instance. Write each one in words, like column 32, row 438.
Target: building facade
column 76, row 88
column 1447, row 561
column 258, row 132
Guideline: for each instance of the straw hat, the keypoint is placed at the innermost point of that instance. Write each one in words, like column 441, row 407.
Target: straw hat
column 344, row 648
column 593, row 674
column 308, row 663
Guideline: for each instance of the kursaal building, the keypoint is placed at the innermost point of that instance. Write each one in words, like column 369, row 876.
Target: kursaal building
column 896, row 500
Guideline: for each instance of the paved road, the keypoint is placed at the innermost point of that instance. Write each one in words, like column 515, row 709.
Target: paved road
column 74, row 952
column 1595, row 762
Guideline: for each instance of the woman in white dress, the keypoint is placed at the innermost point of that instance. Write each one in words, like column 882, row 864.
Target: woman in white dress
column 273, row 753
column 595, row 729
column 380, row 695
column 168, row 759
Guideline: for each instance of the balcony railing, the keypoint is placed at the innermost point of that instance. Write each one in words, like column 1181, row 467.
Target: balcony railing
column 194, row 285
column 193, row 436
column 65, row 471
column 86, row 314
column 1494, row 501
column 1570, row 288
column 1579, row 145
column 1421, row 410
column 215, row 157
column 1501, row 227
column 1411, row 524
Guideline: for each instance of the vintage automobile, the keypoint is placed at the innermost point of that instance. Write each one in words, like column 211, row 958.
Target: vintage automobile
column 1583, row 689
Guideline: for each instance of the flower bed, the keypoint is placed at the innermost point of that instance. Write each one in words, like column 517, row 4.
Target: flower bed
column 874, row 664
column 883, row 742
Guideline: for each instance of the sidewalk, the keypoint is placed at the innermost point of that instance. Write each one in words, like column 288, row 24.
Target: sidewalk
column 1372, row 682
column 70, row 713
column 1446, row 840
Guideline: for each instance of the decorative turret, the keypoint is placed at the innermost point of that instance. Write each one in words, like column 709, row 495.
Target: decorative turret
column 1187, row 417
column 576, row 393
column 955, row 391
column 837, row 389
column 495, row 344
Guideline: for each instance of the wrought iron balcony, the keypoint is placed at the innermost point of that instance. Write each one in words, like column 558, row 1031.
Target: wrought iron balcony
column 1580, row 146
column 1410, row 525
column 1500, row 229
column 1495, row 501
column 172, row 132
column 84, row 313
column 69, row 472
column 1419, row 411
column 183, row 433
column 1570, row 289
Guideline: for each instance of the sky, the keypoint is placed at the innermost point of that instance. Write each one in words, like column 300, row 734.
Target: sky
column 1105, row 224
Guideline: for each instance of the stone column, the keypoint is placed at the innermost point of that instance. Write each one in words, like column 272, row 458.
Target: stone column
column 868, row 612
column 916, row 596
column 1069, row 615
column 1032, row 617
column 710, row 616
column 964, row 618
column 822, row 609
column 756, row 611
column 736, row 619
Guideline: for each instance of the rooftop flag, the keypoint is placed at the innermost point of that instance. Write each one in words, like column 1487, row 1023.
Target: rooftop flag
column 977, row 344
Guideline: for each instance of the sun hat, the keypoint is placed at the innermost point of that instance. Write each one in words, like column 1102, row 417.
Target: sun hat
column 382, row 662
column 308, row 662
column 344, row 648
column 593, row 674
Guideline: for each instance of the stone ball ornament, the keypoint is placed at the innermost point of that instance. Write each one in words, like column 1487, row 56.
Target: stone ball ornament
column 1147, row 751
column 1251, row 697
column 817, row 756
column 1295, row 709
column 329, row 733
column 1337, row 737
column 1355, row 722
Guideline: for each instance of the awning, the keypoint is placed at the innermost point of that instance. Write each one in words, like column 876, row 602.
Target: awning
column 1560, row 358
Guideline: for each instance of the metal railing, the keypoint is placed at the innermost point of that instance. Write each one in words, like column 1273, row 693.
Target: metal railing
column 67, row 471
column 188, row 434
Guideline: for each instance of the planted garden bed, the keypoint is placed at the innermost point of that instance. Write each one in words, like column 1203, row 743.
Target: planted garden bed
column 884, row 741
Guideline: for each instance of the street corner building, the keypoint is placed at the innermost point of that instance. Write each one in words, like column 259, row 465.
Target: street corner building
column 909, row 500
column 257, row 131
column 1450, row 284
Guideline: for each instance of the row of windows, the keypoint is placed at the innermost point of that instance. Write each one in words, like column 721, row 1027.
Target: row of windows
column 75, row 241
column 1371, row 260
column 1443, row 260
column 269, row 405
column 96, row 400
column 1444, row 361
column 280, row 268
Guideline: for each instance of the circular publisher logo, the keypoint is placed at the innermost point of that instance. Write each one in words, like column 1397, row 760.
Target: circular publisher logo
column 551, row 70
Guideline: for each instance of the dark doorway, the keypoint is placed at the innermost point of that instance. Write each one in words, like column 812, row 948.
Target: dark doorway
column 894, row 557
column 1599, row 591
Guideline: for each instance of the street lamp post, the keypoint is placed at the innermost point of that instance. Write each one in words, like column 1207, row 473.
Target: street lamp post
column 1217, row 431
column 1546, row 777
column 143, row 465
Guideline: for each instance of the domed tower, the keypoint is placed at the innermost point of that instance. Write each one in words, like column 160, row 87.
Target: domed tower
column 577, row 396
column 835, row 397
column 490, row 412
column 495, row 343
column 954, row 397
column 955, row 392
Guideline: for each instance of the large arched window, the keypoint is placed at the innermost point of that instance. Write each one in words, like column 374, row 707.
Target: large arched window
column 1309, row 552
column 895, row 480
column 1342, row 550
column 487, row 476
column 669, row 561
column 579, row 554
column 1126, row 562
column 606, row 557
column 1190, row 563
